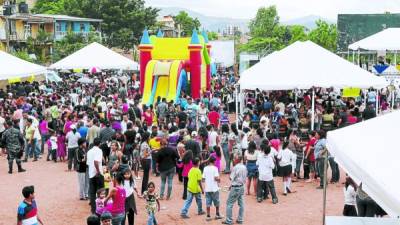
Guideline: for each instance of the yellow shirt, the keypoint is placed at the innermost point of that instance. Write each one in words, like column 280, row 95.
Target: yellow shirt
column 29, row 131
column 107, row 180
column 154, row 144
column 194, row 178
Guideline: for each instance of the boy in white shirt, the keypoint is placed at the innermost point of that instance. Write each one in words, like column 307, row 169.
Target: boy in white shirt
column 265, row 184
column 211, row 179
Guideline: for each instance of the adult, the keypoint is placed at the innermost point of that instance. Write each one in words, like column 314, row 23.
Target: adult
column 225, row 147
column 118, row 195
column 320, row 152
column 72, row 145
column 214, row 117
column 167, row 158
column 236, row 193
column 145, row 156
column 250, row 158
column 13, row 142
column 96, row 179
column 369, row 112
column 93, row 132
column 31, row 140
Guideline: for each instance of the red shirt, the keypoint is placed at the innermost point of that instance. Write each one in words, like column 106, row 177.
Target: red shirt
column 310, row 144
column 213, row 117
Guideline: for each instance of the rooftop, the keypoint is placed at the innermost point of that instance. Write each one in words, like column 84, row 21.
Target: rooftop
column 68, row 18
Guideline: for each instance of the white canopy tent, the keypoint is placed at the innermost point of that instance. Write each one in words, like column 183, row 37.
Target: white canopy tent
column 387, row 39
column 369, row 153
column 304, row 65
column 14, row 67
column 95, row 55
column 223, row 52
column 342, row 220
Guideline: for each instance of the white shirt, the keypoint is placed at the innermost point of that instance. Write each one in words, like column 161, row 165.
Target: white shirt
column 265, row 165
column 2, row 121
column 124, row 125
column 349, row 195
column 128, row 188
column 74, row 98
column 53, row 141
column 210, row 172
column 72, row 139
column 286, row 157
column 212, row 138
column 94, row 154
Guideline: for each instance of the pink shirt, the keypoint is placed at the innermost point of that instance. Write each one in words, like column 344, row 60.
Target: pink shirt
column 43, row 127
column 275, row 143
column 118, row 206
column 217, row 160
column 186, row 168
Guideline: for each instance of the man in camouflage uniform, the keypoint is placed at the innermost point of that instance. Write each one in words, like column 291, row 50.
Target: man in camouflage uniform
column 14, row 143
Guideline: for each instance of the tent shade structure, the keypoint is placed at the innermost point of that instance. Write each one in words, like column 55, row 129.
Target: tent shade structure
column 369, row 153
column 341, row 220
column 304, row 65
column 95, row 55
column 387, row 39
column 223, row 52
column 12, row 67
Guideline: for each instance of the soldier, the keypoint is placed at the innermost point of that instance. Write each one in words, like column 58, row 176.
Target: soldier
column 14, row 144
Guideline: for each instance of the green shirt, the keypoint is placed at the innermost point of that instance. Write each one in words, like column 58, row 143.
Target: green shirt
column 194, row 178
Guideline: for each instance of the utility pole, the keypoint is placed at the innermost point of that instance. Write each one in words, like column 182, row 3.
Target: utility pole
column 7, row 35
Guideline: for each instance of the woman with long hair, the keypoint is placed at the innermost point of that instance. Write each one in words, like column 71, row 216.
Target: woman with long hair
column 225, row 147
column 250, row 159
column 145, row 155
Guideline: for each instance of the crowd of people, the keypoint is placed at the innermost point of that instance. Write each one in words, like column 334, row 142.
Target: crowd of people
column 103, row 133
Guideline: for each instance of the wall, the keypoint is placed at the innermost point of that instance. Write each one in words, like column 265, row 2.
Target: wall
column 19, row 26
column 49, row 28
column 77, row 26
column 2, row 29
column 34, row 29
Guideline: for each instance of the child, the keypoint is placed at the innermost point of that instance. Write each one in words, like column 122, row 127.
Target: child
column 101, row 197
column 152, row 203
column 107, row 179
column 265, row 163
column 130, row 203
column 195, row 189
column 286, row 158
column 350, row 198
column 217, row 156
column 186, row 164
column 211, row 179
column 27, row 209
column 61, row 148
column 52, row 146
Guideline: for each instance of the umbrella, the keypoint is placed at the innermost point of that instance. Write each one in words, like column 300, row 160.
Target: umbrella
column 95, row 70
column 78, row 75
column 85, row 80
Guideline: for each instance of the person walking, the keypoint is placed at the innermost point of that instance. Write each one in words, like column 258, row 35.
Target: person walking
column 81, row 169
column 72, row 145
column 238, row 178
column 166, row 159
column 27, row 209
column 13, row 142
column 320, row 154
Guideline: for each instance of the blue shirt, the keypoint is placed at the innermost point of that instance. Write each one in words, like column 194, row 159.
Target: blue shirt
column 83, row 131
column 319, row 146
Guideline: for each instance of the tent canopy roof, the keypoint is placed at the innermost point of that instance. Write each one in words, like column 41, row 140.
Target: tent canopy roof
column 95, row 55
column 369, row 153
column 14, row 67
column 387, row 39
column 304, row 65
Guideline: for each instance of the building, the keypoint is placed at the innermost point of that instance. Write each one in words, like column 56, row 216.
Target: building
column 354, row 27
column 168, row 26
column 231, row 30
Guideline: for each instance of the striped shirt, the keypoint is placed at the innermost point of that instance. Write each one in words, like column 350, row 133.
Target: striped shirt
column 238, row 175
column 27, row 213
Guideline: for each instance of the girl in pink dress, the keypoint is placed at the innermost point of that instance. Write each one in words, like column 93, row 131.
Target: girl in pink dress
column 61, row 148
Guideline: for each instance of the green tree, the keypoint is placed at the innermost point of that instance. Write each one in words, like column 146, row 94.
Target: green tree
column 298, row 33
column 23, row 54
column 186, row 23
column 212, row 35
column 49, row 7
column 325, row 35
column 265, row 22
column 71, row 43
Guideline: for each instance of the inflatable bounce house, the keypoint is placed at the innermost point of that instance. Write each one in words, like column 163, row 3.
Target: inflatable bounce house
column 169, row 65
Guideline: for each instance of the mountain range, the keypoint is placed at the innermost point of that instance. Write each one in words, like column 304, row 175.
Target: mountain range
column 212, row 23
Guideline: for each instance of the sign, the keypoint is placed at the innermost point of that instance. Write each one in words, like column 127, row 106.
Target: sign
column 351, row 92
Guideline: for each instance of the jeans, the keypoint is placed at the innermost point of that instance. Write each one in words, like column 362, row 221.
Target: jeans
column 299, row 161
column 227, row 157
column 117, row 219
column 72, row 158
column 32, row 149
column 83, row 185
column 188, row 203
column 146, row 172
column 335, row 169
column 95, row 183
column 235, row 194
column 152, row 219
column 320, row 167
column 45, row 137
column 264, row 188
column 164, row 175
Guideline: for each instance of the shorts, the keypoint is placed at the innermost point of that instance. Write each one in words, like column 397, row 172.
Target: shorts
column 212, row 198
column 312, row 167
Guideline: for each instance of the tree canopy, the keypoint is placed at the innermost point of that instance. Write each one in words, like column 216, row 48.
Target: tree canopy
column 186, row 23
column 123, row 20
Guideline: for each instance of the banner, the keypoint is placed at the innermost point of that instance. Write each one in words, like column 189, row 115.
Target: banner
column 351, row 92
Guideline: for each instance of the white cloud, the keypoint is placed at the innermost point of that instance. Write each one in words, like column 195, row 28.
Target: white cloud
column 287, row 9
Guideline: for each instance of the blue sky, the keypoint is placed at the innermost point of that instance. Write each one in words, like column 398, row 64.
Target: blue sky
column 287, row 9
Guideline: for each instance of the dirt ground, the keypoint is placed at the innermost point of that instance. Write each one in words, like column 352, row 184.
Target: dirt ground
column 58, row 202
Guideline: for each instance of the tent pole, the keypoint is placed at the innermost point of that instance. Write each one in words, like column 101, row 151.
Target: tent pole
column 325, row 186
column 377, row 102
column 393, row 92
column 353, row 56
column 358, row 59
column 395, row 58
column 312, row 109
column 237, row 106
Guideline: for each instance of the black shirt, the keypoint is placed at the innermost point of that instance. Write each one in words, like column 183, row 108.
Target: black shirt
column 369, row 114
column 80, row 157
column 194, row 146
column 182, row 116
column 166, row 158
column 130, row 136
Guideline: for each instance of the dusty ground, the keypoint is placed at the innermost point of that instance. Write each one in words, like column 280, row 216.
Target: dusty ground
column 57, row 198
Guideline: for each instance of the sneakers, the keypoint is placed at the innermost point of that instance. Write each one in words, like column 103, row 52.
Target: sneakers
column 274, row 201
column 218, row 217
column 201, row 213
column 184, row 216
column 208, row 218
column 224, row 222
